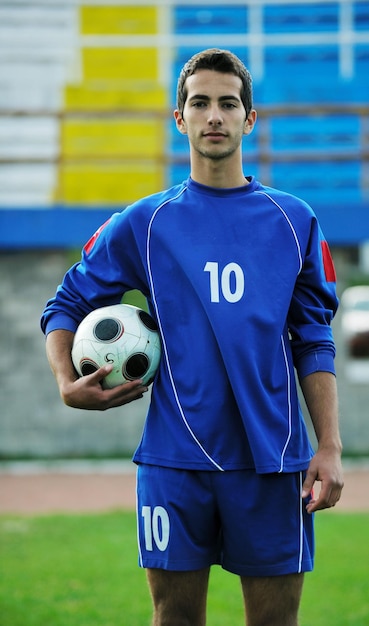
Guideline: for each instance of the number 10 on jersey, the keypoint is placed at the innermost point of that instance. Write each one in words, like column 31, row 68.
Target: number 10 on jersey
column 228, row 282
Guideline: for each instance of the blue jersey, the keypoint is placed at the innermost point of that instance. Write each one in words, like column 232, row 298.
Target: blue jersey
column 242, row 286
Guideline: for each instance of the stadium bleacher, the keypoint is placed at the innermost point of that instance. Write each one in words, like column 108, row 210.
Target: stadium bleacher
column 87, row 89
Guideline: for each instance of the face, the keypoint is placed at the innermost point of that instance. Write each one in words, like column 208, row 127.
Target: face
column 214, row 118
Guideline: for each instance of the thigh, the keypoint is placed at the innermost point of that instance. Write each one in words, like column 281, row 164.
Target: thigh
column 272, row 599
column 179, row 597
column 178, row 526
column 266, row 529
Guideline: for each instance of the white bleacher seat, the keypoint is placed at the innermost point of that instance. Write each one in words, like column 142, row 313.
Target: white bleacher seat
column 27, row 137
column 37, row 56
column 26, row 184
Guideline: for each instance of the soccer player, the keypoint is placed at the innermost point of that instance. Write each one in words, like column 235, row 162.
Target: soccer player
column 242, row 285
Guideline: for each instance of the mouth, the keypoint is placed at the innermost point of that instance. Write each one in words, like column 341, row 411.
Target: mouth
column 215, row 135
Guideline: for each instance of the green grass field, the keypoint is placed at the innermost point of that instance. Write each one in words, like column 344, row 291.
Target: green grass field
column 81, row 570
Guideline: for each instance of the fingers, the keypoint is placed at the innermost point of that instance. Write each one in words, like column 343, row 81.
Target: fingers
column 100, row 374
column 124, row 394
column 327, row 498
column 308, row 485
column 329, row 495
column 121, row 394
column 325, row 467
column 87, row 392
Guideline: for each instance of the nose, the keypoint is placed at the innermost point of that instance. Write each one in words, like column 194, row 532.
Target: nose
column 215, row 117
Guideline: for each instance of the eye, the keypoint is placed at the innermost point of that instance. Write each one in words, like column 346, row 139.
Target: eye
column 229, row 105
column 199, row 104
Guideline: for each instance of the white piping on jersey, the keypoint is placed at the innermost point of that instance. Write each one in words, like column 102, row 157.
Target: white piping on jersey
column 289, row 223
column 140, row 560
column 301, row 538
column 152, row 288
column 282, row 339
column 289, row 404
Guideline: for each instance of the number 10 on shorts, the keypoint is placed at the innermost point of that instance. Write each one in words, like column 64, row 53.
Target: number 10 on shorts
column 156, row 527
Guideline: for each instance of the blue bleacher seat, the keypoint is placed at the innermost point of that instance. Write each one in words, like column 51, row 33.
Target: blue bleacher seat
column 361, row 15
column 300, row 74
column 299, row 18
column 177, row 173
column 200, row 19
column 320, row 182
column 316, row 133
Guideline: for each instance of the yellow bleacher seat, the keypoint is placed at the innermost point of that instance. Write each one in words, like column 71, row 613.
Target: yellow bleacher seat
column 135, row 64
column 114, row 159
column 118, row 20
column 115, row 137
column 115, row 95
column 108, row 183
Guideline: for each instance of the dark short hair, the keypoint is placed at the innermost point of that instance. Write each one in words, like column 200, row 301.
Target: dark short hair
column 217, row 60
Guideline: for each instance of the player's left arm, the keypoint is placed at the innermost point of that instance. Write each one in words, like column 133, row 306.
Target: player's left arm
column 320, row 393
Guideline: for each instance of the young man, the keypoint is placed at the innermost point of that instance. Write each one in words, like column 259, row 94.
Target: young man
column 241, row 283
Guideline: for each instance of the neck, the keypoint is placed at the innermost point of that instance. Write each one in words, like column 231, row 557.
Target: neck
column 223, row 173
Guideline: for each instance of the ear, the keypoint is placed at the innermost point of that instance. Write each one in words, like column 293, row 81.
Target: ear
column 250, row 122
column 180, row 123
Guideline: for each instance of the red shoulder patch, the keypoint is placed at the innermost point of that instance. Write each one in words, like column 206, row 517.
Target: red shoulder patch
column 91, row 242
column 329, row 270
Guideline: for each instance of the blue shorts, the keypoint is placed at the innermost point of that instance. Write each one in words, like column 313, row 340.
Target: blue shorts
column 251, row 524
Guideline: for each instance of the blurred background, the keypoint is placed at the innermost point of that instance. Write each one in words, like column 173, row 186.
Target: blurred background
column 87, row 91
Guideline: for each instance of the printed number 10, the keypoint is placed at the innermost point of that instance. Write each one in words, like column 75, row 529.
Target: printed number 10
column 156, row 527
column 231, row 281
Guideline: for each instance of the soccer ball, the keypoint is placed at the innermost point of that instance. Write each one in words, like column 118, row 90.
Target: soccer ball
column 121, row 335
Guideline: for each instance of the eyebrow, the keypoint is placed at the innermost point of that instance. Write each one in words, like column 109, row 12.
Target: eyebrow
column 220, row 99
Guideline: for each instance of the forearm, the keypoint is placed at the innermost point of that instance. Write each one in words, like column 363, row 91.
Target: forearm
column 58, row 349
column 320, row 393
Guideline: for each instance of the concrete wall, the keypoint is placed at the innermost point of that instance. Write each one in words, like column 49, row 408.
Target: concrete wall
column 33, row 419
